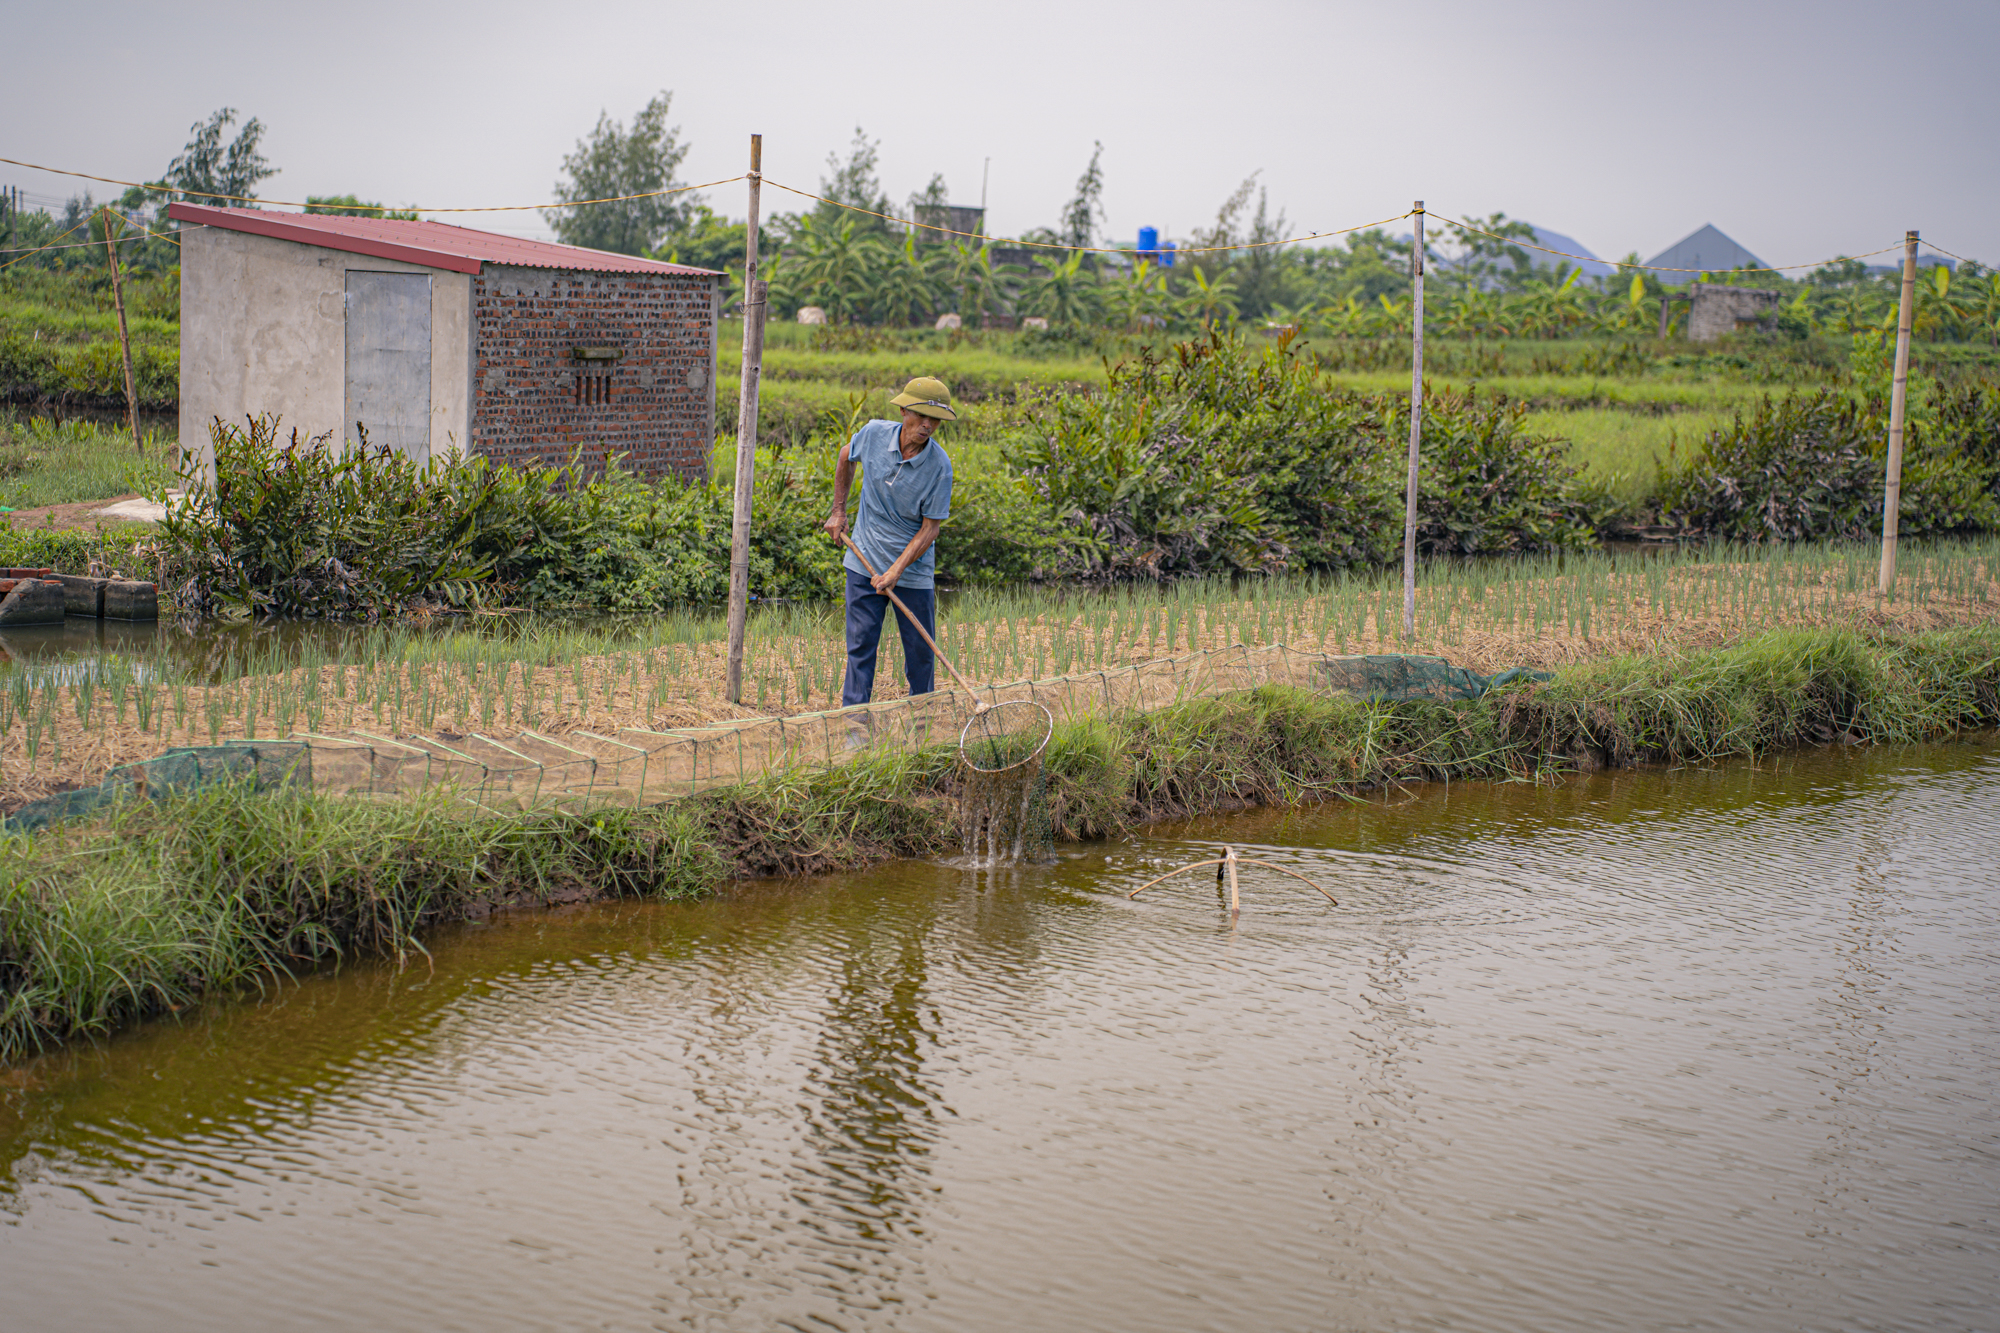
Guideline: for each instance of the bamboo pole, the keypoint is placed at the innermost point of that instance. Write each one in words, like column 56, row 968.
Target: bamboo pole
column 1892, row 490
column 1416, row 427
column 755, row 291
column 124, row 337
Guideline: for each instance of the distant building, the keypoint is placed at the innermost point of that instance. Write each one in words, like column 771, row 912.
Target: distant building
column 1707, row 250
column 951, row 218
column 441, row 339
column 1923, row 262
column 1716, row 309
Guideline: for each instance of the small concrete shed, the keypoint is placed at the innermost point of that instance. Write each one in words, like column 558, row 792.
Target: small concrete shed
column 441, row 339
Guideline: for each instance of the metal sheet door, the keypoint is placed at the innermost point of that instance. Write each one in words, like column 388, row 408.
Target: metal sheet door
column 389, row 360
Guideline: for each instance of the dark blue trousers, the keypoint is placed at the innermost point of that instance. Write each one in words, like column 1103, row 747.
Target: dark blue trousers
column 865, row 609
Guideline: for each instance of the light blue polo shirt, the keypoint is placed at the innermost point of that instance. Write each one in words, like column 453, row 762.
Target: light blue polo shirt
column 897, row 495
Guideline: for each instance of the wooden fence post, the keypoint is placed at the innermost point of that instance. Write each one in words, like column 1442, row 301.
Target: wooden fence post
column 1892, row 490
column 1416, row 427
column 755, row 291
column 124, row 337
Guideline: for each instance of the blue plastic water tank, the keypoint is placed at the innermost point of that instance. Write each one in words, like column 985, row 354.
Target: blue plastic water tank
column 1167, row 254
column 1149, row 242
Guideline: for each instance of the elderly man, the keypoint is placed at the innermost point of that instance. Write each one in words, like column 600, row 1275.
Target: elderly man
column 905, row 498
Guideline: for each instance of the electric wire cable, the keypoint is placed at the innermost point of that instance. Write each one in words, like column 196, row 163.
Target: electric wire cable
column 160, row 187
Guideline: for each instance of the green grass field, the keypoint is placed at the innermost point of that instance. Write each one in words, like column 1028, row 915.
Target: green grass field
column 43, row 463
column 1623, row 452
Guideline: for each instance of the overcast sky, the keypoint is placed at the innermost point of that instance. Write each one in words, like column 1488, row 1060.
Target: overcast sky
column 1802, row 130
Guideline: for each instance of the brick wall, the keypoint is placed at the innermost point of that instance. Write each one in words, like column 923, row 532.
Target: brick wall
column 533, row 401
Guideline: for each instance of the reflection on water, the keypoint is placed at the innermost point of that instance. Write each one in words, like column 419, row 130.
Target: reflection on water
column 1693, row 1050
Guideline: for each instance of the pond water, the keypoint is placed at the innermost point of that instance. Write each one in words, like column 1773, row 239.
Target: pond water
column 1704, row 1050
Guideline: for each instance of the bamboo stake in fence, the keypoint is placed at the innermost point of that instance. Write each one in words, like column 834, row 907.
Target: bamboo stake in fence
column 124, row 337
column 1892, row 491
column 1416, row 427
column 755, row 291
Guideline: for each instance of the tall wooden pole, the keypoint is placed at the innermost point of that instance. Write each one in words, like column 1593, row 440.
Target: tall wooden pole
column 755, row 290
column 124, row 337
column 1416, row 428
column 1892, row 491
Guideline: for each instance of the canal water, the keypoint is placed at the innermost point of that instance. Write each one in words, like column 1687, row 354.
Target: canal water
column 1695, row 1050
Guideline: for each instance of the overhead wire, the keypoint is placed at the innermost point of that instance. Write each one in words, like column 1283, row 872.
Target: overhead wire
column 139, row 235
column 53, row 244
column 1949, row 255
column 379, row 208
column 1459, row 226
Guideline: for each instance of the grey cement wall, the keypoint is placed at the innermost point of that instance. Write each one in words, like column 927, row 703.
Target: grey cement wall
column 263, row 329
column 1716, row 310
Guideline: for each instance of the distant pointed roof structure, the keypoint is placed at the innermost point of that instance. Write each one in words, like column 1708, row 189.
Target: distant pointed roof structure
column 1592, row 266
column 1707, row 249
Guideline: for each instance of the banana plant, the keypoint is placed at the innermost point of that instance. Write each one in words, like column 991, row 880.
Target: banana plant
column 1981, row 303
column 1551, row 307
column 1393, row 319
column 1631, row 313
column 904, row 288
column 1142, row 297
column 1939, row 312
column 982, row 288
column 1213, row 303
column 1348, row 319
column 1065, row 293
column 836, row 268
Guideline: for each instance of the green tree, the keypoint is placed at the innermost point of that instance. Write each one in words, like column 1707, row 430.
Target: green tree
column 1084, row 213
column 616, row 163
column 208, row 171
column 929, row 205
column 1490, row 260
column 854, row 184
column 348, row 205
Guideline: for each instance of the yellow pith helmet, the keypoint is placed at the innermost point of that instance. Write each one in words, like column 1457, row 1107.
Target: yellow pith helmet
column 927, row 397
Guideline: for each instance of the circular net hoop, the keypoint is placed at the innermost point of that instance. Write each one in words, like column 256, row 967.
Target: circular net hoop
column 1005, row 736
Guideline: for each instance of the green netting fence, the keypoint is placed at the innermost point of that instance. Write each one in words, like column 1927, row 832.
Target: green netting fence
column 636, row 766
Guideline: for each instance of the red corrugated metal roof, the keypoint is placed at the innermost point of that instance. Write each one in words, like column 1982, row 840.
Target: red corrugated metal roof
column 432, row 244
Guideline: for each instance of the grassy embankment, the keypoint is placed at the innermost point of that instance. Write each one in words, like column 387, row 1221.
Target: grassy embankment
column 149, row 907
column 65, row 727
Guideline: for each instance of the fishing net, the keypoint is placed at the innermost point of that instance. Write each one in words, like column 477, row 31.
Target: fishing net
column 1004, row 808
column 1001, row 747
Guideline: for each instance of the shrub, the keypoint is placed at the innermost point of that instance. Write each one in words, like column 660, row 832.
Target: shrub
column 1810, row 467
column 1232, row 458
column 315, row 528
column 89, row 372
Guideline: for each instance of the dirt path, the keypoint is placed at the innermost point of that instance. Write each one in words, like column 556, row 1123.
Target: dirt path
column 80, row 516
